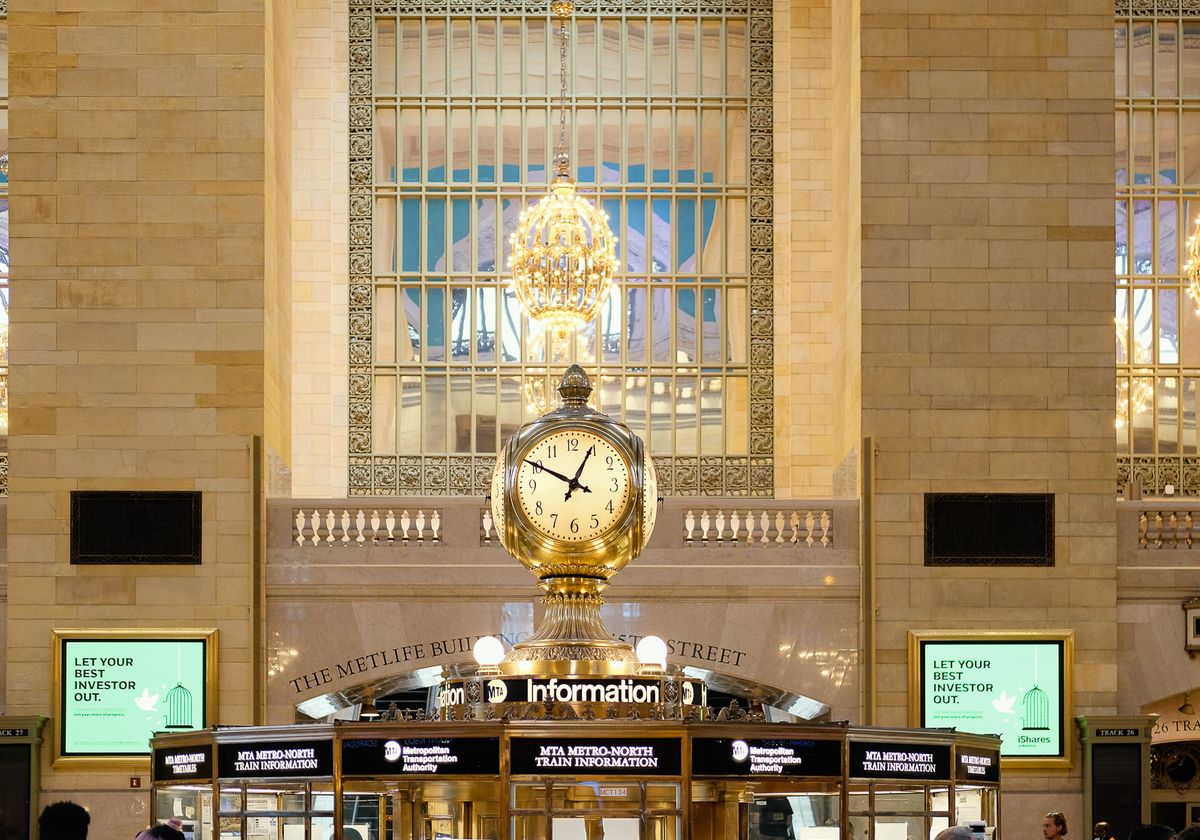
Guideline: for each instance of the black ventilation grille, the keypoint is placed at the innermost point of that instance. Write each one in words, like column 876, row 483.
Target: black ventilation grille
column 115, row 526
column 989, row 529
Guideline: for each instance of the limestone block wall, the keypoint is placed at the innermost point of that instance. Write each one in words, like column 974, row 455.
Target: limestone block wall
column 987, row 359
column 320, row 248
column 140, row 241
column 804, row 267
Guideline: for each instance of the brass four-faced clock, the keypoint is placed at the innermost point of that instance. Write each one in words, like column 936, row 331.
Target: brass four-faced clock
column 574, row 492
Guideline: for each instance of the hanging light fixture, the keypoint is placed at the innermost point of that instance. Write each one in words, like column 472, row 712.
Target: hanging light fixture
column 563, row 254
column 1131, row 401
column 1192, row 266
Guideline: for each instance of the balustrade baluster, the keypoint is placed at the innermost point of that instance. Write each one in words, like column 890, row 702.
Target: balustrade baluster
column 404, row 523
column 374, row 526
column 435, row 526
column 1143, row 529
column 719, row 521
column 689, row 525
column 359, row 523
column 826, row 525
column 485, row 536
column 420, row 525
column 298, row 524
column 704, row 526
column 324, row 524
column 778, row 527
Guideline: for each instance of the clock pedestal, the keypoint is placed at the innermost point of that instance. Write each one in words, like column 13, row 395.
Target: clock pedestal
column 572, row 638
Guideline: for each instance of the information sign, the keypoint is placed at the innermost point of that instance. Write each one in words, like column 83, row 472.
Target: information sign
column 1015, row 688
column 595, row 756
column 879, row 760
column 977, row 765
column 115, row 693
column 182, row 764
column 765, row 757
column 275, row 759
column 420, row 756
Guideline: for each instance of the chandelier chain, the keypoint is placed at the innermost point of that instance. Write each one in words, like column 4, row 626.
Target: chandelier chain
column 562, row 86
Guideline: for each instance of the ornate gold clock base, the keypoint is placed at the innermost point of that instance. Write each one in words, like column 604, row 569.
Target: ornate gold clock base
column 572, row 638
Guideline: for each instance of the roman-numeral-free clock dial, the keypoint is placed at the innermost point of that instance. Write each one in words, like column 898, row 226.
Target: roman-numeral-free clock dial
column 573, row 485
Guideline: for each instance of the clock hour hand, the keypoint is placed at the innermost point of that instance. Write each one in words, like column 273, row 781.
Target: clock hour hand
column 557, row 475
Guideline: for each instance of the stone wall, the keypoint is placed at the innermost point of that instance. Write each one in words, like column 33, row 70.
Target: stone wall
column 987, row 323
column 139, row 140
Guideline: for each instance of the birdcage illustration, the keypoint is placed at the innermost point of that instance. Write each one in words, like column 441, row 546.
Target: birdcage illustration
column 179, row 708
column 1037, row 710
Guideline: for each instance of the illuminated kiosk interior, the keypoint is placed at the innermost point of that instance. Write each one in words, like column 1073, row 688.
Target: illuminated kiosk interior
column 574, row 735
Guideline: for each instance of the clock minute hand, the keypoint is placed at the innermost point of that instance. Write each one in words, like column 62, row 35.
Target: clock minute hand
column 574, row 484
column 557, row 475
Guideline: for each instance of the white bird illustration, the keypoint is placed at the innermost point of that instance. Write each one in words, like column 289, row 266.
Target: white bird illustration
column 147, row 701
column 1004, row 704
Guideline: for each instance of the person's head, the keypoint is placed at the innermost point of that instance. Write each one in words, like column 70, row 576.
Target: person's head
column 1054, row 825
column 348, row 833
column 64, row 821
column 1152, row 831
column 1101, row 831
column 1192, row 832
column 161, row 832
column 956, row 832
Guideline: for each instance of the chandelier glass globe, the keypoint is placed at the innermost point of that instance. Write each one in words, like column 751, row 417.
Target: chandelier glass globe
column 562, row 255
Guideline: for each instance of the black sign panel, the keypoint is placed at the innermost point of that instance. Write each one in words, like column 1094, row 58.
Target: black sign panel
column 573, row 690
column 977, row 765
column 765, row 757
column 275, row 759
column 899, row 761
column 182, row 764
column 420, row 756
column 14, row 733
column 1117, row 733
column 595, row 756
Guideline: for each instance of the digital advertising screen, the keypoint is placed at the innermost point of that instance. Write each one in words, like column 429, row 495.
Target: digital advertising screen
column 114, row 693
column 1014, row 687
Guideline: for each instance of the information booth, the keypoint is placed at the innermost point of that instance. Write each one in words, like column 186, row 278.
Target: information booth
column 574, row 780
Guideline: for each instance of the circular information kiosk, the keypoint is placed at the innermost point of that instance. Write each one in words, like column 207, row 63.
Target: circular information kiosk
column 575, row 780
column 571, row 734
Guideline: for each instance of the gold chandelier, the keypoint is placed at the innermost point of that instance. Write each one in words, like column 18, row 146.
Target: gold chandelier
column 1192, row 266
column 1131, row 400
column 563, row 254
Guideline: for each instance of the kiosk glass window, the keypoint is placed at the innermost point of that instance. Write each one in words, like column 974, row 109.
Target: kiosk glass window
column 614, row 810
column 411, row 809
column 898, row 811
column 776, row 808
column 276, row 811
column 191, row 805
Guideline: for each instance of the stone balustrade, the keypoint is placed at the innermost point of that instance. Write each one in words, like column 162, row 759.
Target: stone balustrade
column 431, row 522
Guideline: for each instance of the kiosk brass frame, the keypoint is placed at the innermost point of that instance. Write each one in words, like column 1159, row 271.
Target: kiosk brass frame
column 1066, row 637
column 208, row 635
column 508, row 732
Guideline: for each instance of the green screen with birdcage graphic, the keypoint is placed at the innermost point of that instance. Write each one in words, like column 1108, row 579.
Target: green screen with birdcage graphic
column 1013, row 689
column 117, row 693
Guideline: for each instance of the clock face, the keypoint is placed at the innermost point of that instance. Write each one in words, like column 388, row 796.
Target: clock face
column 573, row 485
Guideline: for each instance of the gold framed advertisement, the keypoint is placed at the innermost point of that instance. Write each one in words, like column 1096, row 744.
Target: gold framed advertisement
column 114, row 688
column 1016, row 684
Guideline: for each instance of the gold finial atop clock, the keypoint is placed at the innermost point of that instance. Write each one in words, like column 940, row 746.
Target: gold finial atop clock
column 575, row 387
column 574, row 497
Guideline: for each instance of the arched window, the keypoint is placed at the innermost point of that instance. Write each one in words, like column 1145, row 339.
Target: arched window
column 452, row 129
column 1157, row 176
